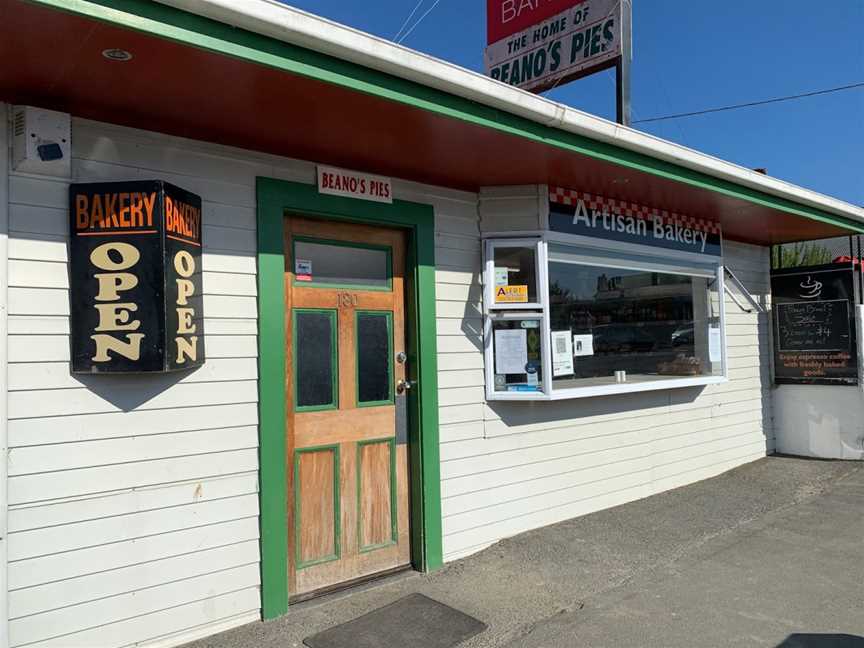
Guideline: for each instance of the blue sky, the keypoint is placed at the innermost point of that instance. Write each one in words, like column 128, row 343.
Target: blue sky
column 693, row 55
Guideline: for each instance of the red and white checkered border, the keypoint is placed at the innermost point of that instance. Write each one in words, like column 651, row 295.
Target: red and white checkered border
column 570, row 197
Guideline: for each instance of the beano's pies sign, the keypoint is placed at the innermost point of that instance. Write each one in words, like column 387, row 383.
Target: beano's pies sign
column 536, row 44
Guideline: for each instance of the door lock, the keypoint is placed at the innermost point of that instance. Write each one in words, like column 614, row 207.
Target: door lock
column 401, row 357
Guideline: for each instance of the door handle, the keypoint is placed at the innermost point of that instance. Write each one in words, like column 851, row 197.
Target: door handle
column 405, row 385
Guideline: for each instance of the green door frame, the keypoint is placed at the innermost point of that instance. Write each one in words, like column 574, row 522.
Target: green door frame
column 275, row 198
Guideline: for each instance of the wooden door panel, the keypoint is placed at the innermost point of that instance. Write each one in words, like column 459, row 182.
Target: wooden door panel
column 323, row 428
column 317, row 503
column 376, row 486
column 348, row 466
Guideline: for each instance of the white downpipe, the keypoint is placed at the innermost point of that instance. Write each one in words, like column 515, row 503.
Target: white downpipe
column 278, row 21
column 4, row 364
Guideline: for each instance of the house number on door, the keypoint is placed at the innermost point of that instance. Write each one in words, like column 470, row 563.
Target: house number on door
column 346, row 300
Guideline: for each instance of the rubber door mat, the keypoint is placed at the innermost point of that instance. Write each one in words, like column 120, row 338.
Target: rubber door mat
column 414, row 621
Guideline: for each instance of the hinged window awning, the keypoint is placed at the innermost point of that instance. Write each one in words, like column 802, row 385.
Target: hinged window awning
column 199, row 78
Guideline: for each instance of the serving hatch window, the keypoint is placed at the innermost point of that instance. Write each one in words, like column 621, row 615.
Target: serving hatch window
column 513, row 268
column 609, row 319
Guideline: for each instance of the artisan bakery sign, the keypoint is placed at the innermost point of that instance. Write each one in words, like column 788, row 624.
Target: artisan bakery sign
column 135, row 278
column 577, row 212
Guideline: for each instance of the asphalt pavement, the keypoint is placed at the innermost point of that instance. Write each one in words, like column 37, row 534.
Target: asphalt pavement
column 769, row 554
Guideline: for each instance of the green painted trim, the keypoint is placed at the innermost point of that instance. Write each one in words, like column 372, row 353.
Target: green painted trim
column 394, row 522
column 272, row 474
column 173, row 24
column 363, row 246
column 337, row 508
column 334, row 359
column 389, row 317
column 275, row 197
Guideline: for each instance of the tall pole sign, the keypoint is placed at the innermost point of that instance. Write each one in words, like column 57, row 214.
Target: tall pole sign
column 537, row 45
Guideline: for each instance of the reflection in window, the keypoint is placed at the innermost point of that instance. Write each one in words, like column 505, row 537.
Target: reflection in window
column 354, row 265
column 374, row 357
column 516, row 266
column 633, row 325
column 315, row 358
column 516, row 348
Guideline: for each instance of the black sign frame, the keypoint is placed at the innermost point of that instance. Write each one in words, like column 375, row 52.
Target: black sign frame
column 813, row 307
column 135, row 283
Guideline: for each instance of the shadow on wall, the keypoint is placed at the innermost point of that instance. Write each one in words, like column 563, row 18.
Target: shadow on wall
column 822, row 641
column 127, row 395
column 472, row 317
column 527, row 412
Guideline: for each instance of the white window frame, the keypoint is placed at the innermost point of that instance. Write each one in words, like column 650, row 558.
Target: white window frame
column 489, row 284
column 683, row 263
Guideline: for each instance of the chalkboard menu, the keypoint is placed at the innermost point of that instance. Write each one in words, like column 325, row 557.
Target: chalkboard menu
column 814, row 324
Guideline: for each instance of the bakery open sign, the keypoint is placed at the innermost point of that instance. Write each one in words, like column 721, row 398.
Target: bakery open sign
column 537, row 44
column 135, row 278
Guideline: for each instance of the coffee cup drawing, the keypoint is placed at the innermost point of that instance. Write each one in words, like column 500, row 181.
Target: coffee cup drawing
column 811, row 289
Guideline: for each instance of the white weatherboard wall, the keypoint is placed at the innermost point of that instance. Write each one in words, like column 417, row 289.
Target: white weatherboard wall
column 510, row 467
column 4, row 353
column 133, row 500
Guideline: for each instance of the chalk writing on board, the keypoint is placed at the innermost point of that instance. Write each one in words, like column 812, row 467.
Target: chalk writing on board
column 813, row 326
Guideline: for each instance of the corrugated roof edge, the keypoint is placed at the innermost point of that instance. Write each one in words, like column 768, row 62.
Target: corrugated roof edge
column 288, row 24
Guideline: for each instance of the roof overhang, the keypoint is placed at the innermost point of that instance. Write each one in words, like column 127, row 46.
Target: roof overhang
column 262, row 76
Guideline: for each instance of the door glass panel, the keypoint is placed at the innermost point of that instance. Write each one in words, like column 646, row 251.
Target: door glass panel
column 315, row 359
column 321, row 264
column 374, row 357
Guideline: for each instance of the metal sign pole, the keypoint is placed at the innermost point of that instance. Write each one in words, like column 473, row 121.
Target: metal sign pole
column 622, row 65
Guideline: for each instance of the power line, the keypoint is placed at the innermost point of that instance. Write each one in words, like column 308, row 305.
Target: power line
column 419, row 20
column 408, row 19
column 752, row 103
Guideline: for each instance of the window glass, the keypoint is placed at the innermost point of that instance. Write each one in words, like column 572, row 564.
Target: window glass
column 515, row 279
column 315, row 359
column 374, row 358
column 613, row 325
column 325, row 264
column 516, row 348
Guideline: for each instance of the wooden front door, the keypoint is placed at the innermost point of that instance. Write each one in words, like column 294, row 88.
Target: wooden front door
column 347, row 457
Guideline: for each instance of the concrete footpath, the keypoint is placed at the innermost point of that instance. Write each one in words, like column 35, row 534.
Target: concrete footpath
column 769, row 554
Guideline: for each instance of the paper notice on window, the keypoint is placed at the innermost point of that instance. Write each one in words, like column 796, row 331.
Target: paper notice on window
column 715, row 344
column 502, row 276
column 511, row 294
column 562, row 353
column 583, row 345
column 511, row 351
column 303, row 269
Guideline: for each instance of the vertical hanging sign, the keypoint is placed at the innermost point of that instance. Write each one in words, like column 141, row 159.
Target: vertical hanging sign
column 135, row 278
